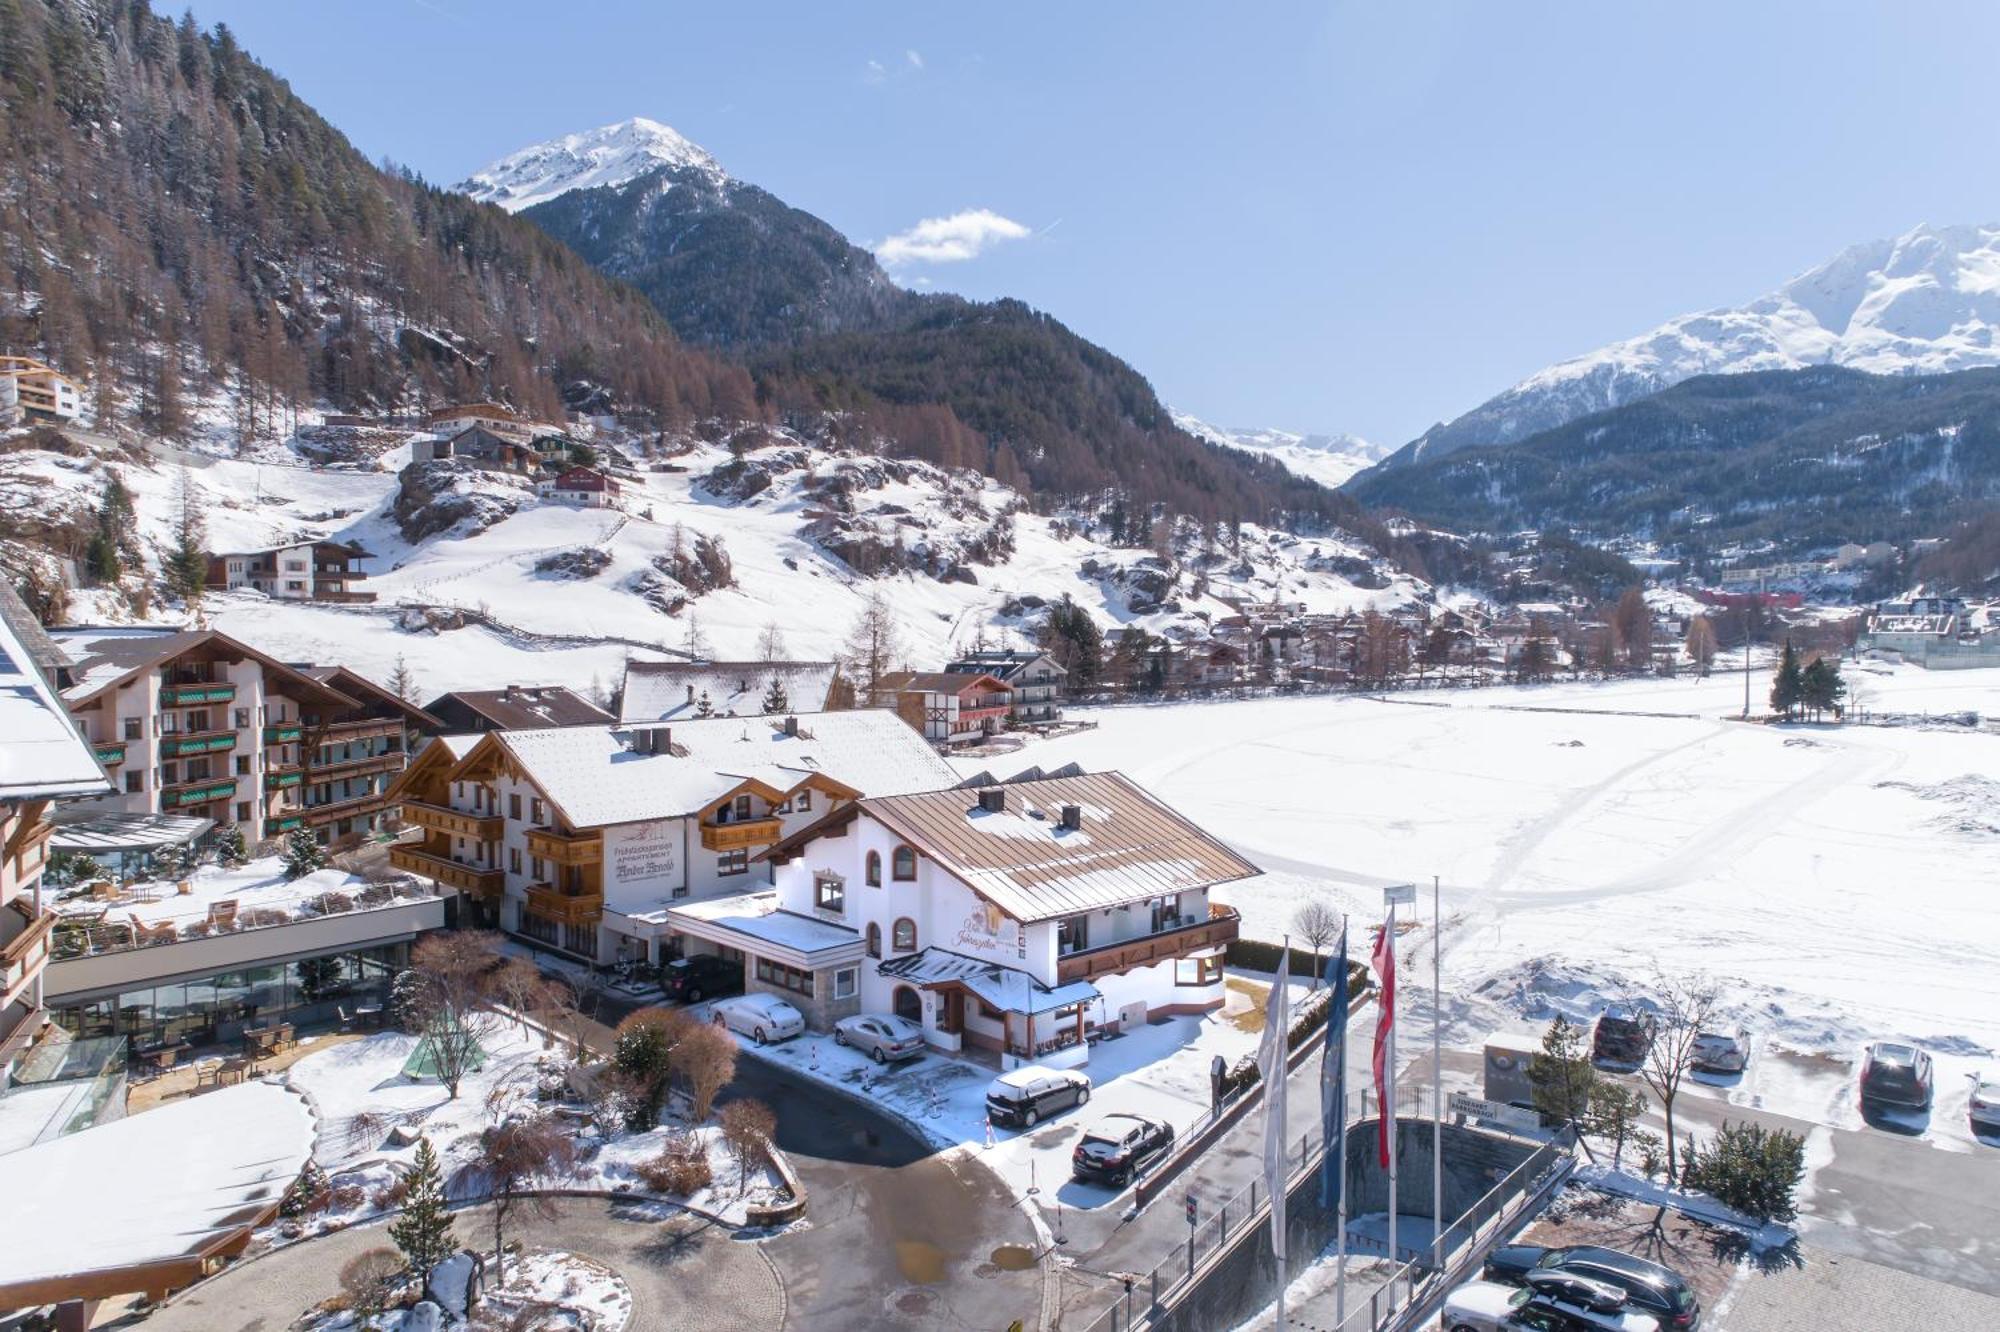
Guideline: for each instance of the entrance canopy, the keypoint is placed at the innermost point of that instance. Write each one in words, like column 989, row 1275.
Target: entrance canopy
column 1006, row 988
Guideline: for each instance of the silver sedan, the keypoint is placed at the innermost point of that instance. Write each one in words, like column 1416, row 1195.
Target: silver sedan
column 880, row 1036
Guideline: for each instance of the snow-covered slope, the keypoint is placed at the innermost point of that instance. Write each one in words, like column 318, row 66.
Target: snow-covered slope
column 611, row 155
column 1327, row 459
column 1927, row 301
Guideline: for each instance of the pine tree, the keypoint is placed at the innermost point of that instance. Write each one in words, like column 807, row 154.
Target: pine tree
column 776, row 700
column 403, row 681
column 873, row 647
column 702, row 706
column 424, row 1229
column 303, row 853
column 229, row 848
column 1562, row 1076
column 187, row 563
column 1788, row 686
column 1821, row 688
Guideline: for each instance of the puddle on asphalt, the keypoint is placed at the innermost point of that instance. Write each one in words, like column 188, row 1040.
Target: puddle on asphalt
column 1013, row 1258
column 920, row 1262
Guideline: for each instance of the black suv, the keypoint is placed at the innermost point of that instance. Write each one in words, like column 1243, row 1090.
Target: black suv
column 689, row 980
column 1649, row 1288
column 1896, row 1077
column 1623, row 1036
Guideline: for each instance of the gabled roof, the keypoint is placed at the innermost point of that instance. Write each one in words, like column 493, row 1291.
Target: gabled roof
column 1003, row 662
column 524, row 707
column 1130, row 846
column 362, row 690
column 595, row 777
column 671, row 690
column 105, row 657
column 42, row 754
column 939, row 682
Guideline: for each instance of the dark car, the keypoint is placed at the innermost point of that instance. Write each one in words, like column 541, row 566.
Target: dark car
column 1622, row 1036
column 1118, row 1147
column 1896, row 1077
column 1023, row 1097
column 689, row 980
column 1649, row 1288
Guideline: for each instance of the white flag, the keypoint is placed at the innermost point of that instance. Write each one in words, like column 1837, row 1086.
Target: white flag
column 1271, row 1066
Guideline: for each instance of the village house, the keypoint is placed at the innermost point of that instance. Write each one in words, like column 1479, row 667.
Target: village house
column 947, row 708
column 1015, row 918
column 478, row 444
column 581, row 485
column 515, row 708
column 610, row 843
column 35, row 391
column 308, row 571
column 44, row 758
column 494, row 417
column 1035, row 681
column 684, row 690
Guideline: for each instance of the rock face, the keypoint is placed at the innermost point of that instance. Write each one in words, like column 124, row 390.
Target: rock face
column 448, row 495
column 580, row 562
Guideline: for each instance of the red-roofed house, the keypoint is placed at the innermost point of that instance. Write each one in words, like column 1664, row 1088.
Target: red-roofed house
column 581, row 485
column 949, row 708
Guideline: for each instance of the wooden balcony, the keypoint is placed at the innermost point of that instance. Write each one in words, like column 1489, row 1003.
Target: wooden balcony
column 566, row 848
column 354, row 730
column 354, row 767
column 189, row 695
column 203, row 742
column 279, row 779
column 466, row 878
column 1128, row 954
column 26, row 953
column 347, row 807
column 111, row 754
column 280, row 732
column 457, row 823
column 739, row 833
column 196, row 793
column 552, row 903
column 279, row 826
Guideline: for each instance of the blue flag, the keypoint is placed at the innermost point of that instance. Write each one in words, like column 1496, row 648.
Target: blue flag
column 1333, row 1082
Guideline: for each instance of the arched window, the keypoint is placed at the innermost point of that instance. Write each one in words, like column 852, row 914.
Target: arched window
column 904, row 865
column 903, row 938
column 874, row 939
column 874, row 869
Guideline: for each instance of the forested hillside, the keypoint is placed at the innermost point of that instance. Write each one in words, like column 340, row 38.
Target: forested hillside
column 174, row 220
column 1802, row 458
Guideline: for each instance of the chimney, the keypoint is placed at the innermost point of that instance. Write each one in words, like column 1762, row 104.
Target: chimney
column 1072, row 818
column 791, row 726
column 690, row 693
column 993, row 799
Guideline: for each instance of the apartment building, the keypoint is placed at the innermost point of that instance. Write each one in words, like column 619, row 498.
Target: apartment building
column 603, row 841
column 308, row 571
column 354, row 754
column 39, row 392
column 1035, row 680
column 1011, row 917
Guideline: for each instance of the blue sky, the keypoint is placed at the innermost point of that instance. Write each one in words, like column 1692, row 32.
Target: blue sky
column 1322, row 216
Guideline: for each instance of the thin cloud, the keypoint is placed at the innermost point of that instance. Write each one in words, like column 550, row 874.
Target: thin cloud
column 915, row 58
column 950, row 240
column 875, row 72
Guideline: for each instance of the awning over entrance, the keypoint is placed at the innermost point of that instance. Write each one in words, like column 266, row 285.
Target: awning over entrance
column 1006, row 988
column 754, row 923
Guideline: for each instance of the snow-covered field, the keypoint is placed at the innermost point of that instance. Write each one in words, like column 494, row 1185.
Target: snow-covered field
column 1835, row 881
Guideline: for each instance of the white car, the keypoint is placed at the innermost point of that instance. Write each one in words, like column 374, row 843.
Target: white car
column 761, row 1017
column 1488, row 1306
column 1984, row 1108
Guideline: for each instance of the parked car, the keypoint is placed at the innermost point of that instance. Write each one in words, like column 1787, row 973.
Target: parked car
column 1489, row 1306
column 1648, row 1287
column 1984, row 1109
column 1721, row 1051
column 689, row 980
column 761, row 1017
column 1117, row 1147
column 880, row 1036
column 1896, row 1077
column 1025, row 1096
column 1623, row 1035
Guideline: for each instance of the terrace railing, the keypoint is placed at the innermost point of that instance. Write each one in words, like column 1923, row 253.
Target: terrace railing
column 118, row 929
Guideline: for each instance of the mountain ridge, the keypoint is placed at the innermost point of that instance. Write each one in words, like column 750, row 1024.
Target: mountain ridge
column 609, row 155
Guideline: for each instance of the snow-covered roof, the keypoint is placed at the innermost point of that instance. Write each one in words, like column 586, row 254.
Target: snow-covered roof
column 172, row 1183
column 1128, row 845
column 596, row 777
column 758, row 916
column 100, row 831
column 105, row 656
column 42, row 754
column 1005, row 988
column 672, row 690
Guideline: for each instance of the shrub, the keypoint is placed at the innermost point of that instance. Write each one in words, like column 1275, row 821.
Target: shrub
column 309, row 1193
column 747, row 1127
column 390, row 1196
column 681, row 1168
column 1750, row 1168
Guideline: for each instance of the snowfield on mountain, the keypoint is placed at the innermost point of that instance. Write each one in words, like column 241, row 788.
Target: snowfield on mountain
column 610, row 155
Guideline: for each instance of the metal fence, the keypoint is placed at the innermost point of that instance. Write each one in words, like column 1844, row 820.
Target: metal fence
column 1238, row 1220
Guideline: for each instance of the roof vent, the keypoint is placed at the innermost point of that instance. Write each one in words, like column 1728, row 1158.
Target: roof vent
column 652, row 740
column 791, row 726
column 1072, row 818
column 993, row 799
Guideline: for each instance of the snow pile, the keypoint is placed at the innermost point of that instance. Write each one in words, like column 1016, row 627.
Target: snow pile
column 548, row 1290
column 1971, row 802
column 610, row 155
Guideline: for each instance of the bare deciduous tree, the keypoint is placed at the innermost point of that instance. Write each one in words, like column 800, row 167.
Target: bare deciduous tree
column 520, row 986
column 370, row 1280
column 515, row 1161
column 706, row 1057
column 1683, row 1007
column 771, row 643
column 747, row 1127
column 1317, row 924
column 449, row 999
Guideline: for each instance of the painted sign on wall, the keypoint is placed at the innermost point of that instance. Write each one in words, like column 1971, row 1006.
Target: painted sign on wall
column 641, row 861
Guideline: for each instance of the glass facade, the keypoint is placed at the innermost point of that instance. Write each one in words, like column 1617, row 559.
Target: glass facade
column 215, row 1009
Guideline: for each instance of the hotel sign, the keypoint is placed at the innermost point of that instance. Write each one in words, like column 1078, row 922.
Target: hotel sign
column 643, row 856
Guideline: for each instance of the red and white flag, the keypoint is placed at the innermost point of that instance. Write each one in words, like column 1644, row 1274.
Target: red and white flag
column 1384, row 963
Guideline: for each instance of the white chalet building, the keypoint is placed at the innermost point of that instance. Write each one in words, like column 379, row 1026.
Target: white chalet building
column 1015, row 918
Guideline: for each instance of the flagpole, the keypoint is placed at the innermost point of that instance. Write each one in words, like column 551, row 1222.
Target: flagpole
column 1278, row 1186
column 1437, row 1076
column 1389, row 1097
column 1340, row 1202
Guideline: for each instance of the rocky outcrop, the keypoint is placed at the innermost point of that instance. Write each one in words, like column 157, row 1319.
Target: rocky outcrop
column 451, row 496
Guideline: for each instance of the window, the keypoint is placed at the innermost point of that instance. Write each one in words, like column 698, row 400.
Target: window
column 903, row 865
column 242, row 718
column 132, row 729
column 242, row 765
column 135, row 782
column 1197, row 970
column 535, row 811
column 903, row 938
column 844, row 982
column 874, row 869
column 990, row 1013
column 874, row 939
column 535, row 868
column 803, row 800
column 514, row 805
column 170, row 773
column 243, row 811
column 829, row 893
column 733, row 862
column 784, row 977
column 514, row 859
column 742, row 808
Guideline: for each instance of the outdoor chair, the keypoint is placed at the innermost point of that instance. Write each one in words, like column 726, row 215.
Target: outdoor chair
column 222, row 914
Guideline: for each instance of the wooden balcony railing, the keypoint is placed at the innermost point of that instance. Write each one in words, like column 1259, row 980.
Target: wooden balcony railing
column 353, row 767
column 195, row 793
column 203, row 742
column 566, row 848
column 552, row 903
column 467, row 878
column 26, row 953
column 112, row 754
column 1125, row 955
column 187, row 695
column 347, row 807
column 739, row 833
column 439, row 818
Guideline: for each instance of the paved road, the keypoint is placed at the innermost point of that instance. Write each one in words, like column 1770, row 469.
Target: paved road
column 684, row 1273
column 1829, row 1292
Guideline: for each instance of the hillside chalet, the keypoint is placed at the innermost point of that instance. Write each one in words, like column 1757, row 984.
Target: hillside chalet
column 947, row 708
column 309, row 571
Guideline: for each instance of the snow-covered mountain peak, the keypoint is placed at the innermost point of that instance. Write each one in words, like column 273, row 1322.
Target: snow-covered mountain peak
column 1327, row 459
column 610, row 155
